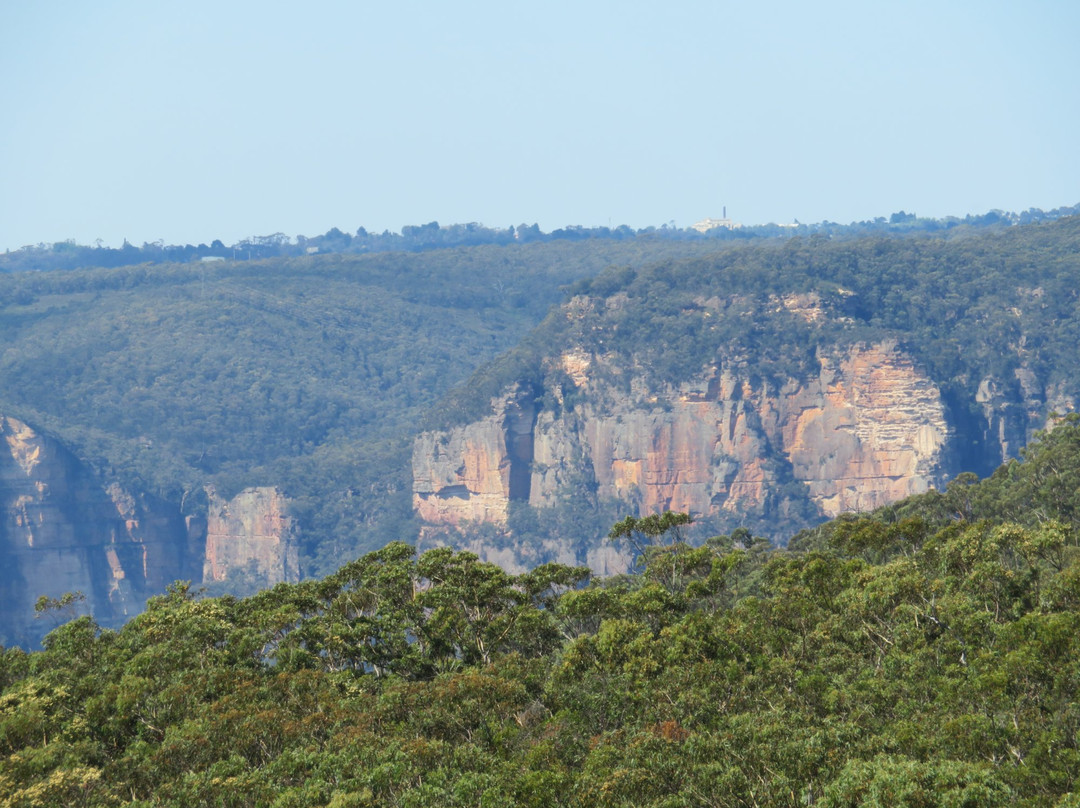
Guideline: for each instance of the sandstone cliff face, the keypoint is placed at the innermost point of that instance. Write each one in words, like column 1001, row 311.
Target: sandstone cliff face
column 250, row 535
column 61, row 530
column 868, row 429
column 1013, row 409
column 471, row 474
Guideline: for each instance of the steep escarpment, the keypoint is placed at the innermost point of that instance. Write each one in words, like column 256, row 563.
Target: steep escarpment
column 767, row 388
column 308, row 373
column 470, row 474
column 250, row 535
column 760, row 385
column 63, row 529
column 866, row 429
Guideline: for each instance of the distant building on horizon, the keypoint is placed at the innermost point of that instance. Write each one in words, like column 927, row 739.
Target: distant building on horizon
column 706, row 225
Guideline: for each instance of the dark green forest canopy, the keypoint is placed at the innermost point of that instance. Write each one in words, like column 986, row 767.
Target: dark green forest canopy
column 928, row 655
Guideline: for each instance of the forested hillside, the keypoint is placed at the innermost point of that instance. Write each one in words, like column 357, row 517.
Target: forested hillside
column 925, row 654
column 989, row 304
column 306, row 373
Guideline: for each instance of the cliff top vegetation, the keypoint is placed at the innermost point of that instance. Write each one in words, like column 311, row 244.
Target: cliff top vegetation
column 999, row 306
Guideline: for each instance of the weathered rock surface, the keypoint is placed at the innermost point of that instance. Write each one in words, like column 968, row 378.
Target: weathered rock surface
column 61, row 530
column 471, row 474
column 252, row 535
column 867, row 430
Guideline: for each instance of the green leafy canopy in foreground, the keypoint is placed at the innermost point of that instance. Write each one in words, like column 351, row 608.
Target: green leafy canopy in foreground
column 927, row 654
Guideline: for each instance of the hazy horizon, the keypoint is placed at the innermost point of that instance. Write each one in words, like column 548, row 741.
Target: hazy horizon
column 198, row 122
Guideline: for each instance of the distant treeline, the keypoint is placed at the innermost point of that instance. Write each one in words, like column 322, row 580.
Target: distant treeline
column 414, row 238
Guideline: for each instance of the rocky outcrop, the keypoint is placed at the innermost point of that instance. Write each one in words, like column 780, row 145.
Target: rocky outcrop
column 471, row 474
column 250, row 535
column 62, row 530
column 868, row 429
column 1013, row 408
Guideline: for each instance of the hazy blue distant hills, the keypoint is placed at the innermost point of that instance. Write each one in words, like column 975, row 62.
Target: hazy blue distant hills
column 310, row 373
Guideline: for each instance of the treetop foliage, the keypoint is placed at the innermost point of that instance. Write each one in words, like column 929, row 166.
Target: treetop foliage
column 923, row 655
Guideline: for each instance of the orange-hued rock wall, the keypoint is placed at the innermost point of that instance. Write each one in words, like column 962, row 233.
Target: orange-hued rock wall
column 250, row 534
column 869, row 432
column 868, row 429
column 468, row 474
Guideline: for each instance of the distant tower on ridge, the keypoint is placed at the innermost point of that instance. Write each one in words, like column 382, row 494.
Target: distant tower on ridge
column 705, row 225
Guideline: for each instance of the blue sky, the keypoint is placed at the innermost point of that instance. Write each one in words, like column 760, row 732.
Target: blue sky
column 200, row 120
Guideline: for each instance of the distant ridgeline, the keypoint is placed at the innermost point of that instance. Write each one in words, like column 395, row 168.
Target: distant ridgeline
column 430, row 236
column 762, row 383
